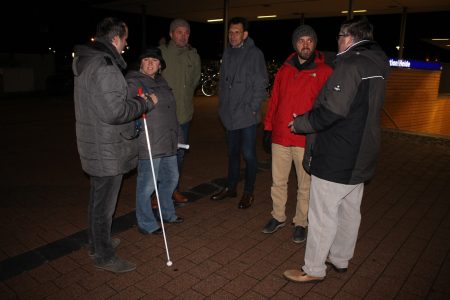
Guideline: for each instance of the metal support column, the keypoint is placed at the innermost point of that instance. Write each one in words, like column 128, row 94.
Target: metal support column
column 402, row 33
column 144, row 26
column 226, row 5
column 350, row 10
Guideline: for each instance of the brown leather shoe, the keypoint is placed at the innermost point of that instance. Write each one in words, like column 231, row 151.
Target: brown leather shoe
column 224, row 193
column 300, row 276
column 246, row 201
column 154, row 201
column 179, row 197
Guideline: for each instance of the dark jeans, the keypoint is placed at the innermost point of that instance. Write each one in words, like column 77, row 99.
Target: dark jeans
column 102, row 204
column 242, row 140
column 180, row 152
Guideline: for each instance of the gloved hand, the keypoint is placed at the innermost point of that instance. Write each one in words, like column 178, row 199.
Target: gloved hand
column 267, row 141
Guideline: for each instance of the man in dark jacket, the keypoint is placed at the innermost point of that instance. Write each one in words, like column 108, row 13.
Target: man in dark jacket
column 242, row 88
column 346, row 118
column 104, row 131
column 297, row 84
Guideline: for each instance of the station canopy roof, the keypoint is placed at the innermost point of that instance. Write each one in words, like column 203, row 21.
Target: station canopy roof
column 203, row 10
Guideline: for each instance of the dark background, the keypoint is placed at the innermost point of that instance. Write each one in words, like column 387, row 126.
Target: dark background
column 61, row 26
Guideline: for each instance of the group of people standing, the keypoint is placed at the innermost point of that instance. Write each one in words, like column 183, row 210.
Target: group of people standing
column 323, row 117
column 112, row 111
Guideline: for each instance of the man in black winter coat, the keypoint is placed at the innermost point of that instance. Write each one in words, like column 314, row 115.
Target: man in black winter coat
column 346, row 120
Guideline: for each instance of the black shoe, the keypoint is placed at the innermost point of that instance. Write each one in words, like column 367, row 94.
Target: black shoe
column 299, row 234
column 246, row 201
column 272, row 226
column 155, row 232
column 336, row 269
column 114, row 243
column 158, row 231
column 224, row 193
column 178, row 220
column 116, row 265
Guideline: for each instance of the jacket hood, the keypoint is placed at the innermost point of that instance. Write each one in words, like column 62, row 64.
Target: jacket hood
column 172, row 47
column 83, row 53
column 249, row 42
column 369, row 49
column 316, row 58
column 145, row 79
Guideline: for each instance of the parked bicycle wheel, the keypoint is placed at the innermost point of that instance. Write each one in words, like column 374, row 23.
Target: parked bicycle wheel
column 209, row 87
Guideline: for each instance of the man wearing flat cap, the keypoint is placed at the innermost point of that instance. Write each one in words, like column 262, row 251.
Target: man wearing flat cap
column 296, row 87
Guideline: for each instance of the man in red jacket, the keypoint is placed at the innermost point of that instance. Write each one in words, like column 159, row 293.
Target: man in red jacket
column 296, row 87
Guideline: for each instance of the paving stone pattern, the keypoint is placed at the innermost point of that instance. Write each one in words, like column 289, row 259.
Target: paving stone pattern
column 219, row 252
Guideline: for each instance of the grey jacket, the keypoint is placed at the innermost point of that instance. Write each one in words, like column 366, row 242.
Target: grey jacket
column 346, row 117
column 103, row 112
column 242, row 87
column 162, row 124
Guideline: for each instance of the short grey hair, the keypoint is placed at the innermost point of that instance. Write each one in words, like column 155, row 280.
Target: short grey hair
column 179, row 23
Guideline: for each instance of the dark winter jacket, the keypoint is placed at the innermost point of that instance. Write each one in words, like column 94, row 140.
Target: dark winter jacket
column 294, row 91
column 242, row 87
column 346, row 116
column 162, row 123
column 104, row 115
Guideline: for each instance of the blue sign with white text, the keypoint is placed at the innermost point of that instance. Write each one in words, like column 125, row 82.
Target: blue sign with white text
column 414, row 64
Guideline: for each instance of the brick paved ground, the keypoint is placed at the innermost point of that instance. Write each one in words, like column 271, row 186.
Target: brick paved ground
column 219, row 252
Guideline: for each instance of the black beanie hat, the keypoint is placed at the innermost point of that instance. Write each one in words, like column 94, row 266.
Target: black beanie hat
column 303, row 30
column 154, row 52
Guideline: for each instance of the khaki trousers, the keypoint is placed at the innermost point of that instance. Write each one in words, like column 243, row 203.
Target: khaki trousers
column 334, row 219
column 282, row 158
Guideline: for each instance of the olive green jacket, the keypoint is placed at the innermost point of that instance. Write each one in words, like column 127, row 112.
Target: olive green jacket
column 183, row 74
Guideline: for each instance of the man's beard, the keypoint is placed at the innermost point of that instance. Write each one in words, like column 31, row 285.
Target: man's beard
column 305, row 56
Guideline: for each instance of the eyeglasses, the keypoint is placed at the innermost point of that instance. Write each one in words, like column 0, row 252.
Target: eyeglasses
column 342, row 34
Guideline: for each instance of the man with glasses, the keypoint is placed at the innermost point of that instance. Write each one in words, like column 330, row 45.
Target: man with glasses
column 346, row 120
column 242, row 88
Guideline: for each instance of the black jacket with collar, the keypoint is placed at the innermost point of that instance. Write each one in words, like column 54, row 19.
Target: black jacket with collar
column 346, row 116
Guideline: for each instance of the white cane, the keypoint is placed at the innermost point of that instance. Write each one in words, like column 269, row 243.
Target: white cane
column 169, row 262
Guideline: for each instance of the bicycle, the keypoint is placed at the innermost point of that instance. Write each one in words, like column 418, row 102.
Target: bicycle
column 209, row 81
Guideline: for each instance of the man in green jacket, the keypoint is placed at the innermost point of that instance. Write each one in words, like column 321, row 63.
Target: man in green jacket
column 183, row 74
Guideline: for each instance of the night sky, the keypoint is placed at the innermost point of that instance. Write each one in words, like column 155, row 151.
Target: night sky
column 37, row 28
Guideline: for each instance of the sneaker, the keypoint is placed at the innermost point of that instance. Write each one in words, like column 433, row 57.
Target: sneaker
column 178, row 220
column 158, row 231
column 117, row 265
column 114, row 243
column 273, row 226
column 299, row 234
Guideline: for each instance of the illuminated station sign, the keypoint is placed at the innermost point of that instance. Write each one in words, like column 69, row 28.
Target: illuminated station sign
column 414, row 64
